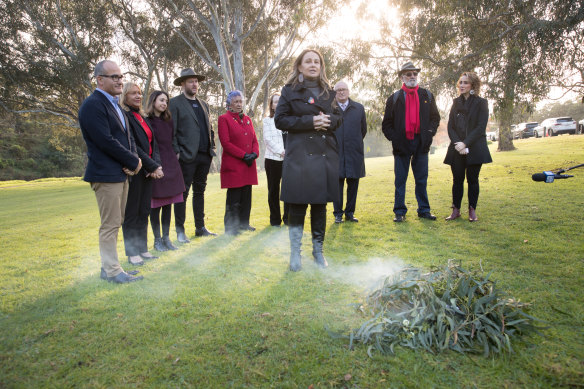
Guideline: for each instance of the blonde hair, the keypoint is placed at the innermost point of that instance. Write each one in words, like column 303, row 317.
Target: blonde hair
column 322, row 80
column 475, row 81
column 127, row 87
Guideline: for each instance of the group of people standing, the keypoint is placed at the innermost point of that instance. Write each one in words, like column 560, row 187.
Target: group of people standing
column 140, row 163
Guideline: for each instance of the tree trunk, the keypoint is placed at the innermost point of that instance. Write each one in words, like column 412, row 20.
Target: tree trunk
column 236, row 46
column 507, row 104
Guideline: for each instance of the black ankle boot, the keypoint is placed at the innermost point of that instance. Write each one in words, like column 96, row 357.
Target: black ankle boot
column 168, row 243
column 158, row 245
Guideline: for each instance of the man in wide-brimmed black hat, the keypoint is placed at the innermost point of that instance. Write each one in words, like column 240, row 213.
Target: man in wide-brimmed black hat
column 410, row 123
column 194, row 143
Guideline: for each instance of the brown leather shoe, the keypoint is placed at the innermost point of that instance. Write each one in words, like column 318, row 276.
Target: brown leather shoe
column 455, row 213
column 472, row 215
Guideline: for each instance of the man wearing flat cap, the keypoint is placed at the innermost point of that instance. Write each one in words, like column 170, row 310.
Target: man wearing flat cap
column 194, row 145
column 410, row 123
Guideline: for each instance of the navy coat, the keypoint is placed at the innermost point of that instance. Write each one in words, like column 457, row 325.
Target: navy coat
column 350, row 136
column 310, row 172
column 109, row 147
column 394, row 122
column 469, row 126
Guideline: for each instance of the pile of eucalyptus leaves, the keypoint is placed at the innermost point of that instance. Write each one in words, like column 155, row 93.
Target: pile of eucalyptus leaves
column 447, row 308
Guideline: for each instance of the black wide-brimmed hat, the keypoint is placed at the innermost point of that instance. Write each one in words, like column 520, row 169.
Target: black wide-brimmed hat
column 408, row 66
column 187, row 73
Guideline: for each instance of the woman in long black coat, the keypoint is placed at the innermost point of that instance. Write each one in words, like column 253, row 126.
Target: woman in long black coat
column 468, row 150
column 310, row 173
column 135, row 226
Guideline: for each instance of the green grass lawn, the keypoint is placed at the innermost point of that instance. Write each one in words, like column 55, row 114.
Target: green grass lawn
column 224, row 312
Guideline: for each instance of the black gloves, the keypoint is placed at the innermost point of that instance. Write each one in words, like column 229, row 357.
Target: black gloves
column 248, row 158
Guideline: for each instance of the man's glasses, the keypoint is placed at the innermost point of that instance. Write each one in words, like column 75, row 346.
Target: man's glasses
column 114, row 77
column 410, row 74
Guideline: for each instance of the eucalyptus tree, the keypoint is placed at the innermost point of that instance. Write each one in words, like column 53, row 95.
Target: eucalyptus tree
column 516, row 46
column 251, row 39
column 48, row 51
column 149, row 51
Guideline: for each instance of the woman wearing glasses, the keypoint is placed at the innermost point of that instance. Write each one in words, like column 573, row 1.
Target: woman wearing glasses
column 238, row 166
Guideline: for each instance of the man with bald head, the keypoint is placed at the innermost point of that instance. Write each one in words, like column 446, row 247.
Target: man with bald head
column 351, row 152
column 111, row 158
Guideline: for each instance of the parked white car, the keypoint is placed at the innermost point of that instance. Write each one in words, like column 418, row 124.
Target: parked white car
column 492, row 135
column 556, row 126
column 539, row 131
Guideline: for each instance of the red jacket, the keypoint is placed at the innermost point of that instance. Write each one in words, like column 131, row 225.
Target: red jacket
column 237, row 138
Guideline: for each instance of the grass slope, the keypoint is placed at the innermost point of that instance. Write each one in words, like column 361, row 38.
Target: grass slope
column 224, row 312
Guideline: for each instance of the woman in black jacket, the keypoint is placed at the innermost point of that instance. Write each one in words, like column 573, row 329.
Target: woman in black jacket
column 135, row 226
column 468, row 148
column 310, row 173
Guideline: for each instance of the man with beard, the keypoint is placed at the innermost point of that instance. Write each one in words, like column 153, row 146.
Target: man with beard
column 410, row 122
column 194, row 145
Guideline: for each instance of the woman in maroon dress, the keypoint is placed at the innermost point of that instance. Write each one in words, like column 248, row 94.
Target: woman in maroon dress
column 238, row 167
column 168, row 190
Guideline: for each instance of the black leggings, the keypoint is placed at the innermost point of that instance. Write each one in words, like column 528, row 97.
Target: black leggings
column 155, row 221
column 459, row 170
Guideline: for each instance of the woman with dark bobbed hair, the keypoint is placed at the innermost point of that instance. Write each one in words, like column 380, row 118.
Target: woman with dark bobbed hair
column 468, row 150
column 310, row 173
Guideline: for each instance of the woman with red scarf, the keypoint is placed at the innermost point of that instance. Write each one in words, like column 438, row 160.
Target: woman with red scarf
column 135, row 226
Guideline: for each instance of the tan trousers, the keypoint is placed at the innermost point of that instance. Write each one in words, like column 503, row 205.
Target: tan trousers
column 111, row 201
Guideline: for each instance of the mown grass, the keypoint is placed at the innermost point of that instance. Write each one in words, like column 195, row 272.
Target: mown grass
column 224, row 312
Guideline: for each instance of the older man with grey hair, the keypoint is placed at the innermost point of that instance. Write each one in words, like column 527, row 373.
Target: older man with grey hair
column 350, row 136
column 410, row 122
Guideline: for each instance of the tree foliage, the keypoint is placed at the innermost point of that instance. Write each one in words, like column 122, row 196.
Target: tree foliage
column 514, row 45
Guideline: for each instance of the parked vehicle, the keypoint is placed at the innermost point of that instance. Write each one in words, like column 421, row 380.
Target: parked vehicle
column 556, row 126
column 539, row 131
column 524, row 130
column 581, row 127
column 492, row 135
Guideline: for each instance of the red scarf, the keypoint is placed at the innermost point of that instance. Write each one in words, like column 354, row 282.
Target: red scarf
column 146, row 129
column 412, row 111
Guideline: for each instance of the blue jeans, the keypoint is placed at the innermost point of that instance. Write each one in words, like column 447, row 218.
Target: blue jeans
column 401, row 164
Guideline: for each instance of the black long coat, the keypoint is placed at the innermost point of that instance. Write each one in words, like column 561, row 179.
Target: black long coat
column 350, row 136
column 469, row 126
column 149, row 164
column 310, row 172
column 394, row 122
